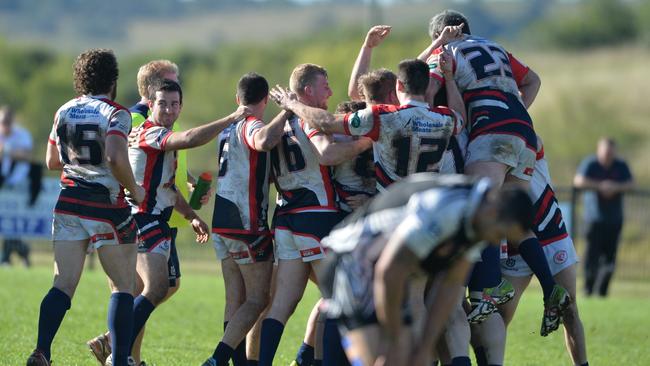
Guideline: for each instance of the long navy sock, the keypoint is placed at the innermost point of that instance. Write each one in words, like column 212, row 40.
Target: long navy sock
column 269, row 340
column 239, row 353
column 252, row 363
column 487, row 272
column 305, row 355
column 142, row 309
column 317, row 362
column 531, row 251
column 53, row 309
column 120, row 324
column 481, row 357
column 461, row 361
column 222, row 354
column 333, row 353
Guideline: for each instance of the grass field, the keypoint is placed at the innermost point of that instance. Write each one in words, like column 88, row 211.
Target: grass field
column 185, row 330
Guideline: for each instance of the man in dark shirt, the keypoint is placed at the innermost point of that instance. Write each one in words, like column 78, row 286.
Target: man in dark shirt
column 605, row 178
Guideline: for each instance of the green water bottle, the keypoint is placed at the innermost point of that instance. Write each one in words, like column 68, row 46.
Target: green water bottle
column 200, row 189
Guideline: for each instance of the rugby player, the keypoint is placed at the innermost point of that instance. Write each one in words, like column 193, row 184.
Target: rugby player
column 240, row 232
column 423, row 224
column 307, row 205
column 148, row 75
column 502, row 143
column 354, row 182
column 408, row 138
column 89, row 142
column 153, row 159
column 551, row 230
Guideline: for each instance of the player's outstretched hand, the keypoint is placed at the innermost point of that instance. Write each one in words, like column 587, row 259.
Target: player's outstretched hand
column 446, row 63
column 137, row 195
column 282, row 97
column 201, row 229
column 451, row 33
column 376, row 35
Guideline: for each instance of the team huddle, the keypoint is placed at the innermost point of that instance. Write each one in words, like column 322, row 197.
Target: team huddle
column 421, row 209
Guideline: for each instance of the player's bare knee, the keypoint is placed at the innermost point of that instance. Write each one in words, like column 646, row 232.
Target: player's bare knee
column 570, row 315
column 156, row 292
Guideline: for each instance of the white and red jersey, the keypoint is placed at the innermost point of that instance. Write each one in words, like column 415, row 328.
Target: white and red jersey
column 79, row 133
column 303, row 184
column 242, row 197
column 488, row 77
column 154, row 168
column 408, row 139
column 480, row 63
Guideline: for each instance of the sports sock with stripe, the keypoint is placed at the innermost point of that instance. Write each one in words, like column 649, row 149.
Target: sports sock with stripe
column 53, row 308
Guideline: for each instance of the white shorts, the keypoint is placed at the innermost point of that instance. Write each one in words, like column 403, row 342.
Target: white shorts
column 98, row 232
column 559, row 255
column 505, row 149
column 292, row 245
column 244, row 249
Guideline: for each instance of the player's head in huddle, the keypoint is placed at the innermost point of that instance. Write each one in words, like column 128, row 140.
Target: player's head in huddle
column 95, row 73
column 310, row 83
column 505, row 212
column 412, row 78
column 153, row 72
column 378, row 87
column 165, row 101
column 447, row 18
column 252, row 89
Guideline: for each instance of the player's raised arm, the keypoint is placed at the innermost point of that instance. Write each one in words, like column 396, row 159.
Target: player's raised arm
column 361, row 66
column 448, row 34
column 318, row 118
column 454, row 99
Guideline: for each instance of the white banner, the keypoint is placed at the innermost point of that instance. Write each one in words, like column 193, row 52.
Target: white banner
column 19, row 220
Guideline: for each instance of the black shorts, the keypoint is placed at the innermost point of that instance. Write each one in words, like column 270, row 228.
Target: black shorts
column 154, row 234
column 173, row 264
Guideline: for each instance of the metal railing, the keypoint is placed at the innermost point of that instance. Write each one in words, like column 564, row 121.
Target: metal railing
column 633, row 258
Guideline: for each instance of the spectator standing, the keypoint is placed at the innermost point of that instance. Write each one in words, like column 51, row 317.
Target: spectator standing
column 15, row 152
column 605, row 178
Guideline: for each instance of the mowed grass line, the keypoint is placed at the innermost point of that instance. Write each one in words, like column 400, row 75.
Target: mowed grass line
column 185, row 330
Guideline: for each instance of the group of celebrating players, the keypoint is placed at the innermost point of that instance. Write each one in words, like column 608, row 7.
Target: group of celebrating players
column 394, row 208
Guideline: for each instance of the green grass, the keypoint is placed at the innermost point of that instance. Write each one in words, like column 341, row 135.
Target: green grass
column 185, row 330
